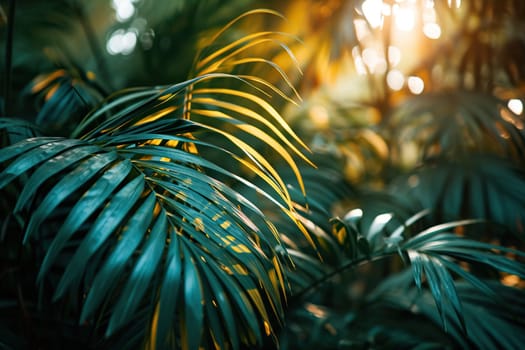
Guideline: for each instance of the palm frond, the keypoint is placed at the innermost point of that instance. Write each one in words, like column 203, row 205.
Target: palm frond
column 440, row 260
column 65, row 97
column 13, row 130
column 447, row 124
column 134, row 209
column 492, row 321
column 477, row 186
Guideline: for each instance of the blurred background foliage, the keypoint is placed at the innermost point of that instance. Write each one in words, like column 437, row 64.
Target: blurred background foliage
column 407, row 106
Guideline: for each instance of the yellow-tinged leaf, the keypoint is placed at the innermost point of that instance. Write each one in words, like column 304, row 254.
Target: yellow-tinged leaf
column 172, row 143
column 276, row 182
column 181, row 195
column 157, row 209
column 265, row 61
column 273, row 279
column 279, row 272
column 42, row 81
column 227, row 270
column 240, row 269
column 259, row 101
column 271, row 87
column 190, row 147
column 257, row 132
column 226, row 224
column 165, row 97
column 238, row 18
column 267, row 328
column 199, row 224
column 257, row 300
column 156, row 115
column 153, row 330
column 154, row 142
column 240, row 248
column 240, row 43
column 52, row 91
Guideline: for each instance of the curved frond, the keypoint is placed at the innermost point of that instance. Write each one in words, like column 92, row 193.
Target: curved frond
column 13, row 130
column 64, row 96
column 476, row 186
column 138, row 208
column 492, row 322
column 441, row 263
column 459, row 122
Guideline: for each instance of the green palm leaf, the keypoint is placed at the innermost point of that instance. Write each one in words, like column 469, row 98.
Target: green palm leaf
column 66, row 96
column 145, row 222
column 441, row 262
column 476, row 186
column 461, row 122
column 492, row 322
column 13, row 130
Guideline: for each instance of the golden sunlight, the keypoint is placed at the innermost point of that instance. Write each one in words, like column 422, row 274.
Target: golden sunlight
column 404, row 16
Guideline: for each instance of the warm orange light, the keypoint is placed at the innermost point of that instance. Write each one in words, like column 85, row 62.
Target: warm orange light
column 405, row 17
column 372, row 9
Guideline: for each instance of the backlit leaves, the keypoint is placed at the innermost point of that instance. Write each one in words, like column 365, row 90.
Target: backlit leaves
column 139, row 219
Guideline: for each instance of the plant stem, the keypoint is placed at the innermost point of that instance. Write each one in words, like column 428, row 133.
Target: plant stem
column 8, row 57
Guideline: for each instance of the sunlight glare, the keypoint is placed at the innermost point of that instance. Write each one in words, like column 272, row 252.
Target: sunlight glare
column 361, row 29
column 457, row 3
column 374, row 61
column 395, row 80
column 432, row 30
column 372, row 9
column 121, row 42
column 394, row 55
column 124, row 9
column 416, row 85
column 516, row 106
column 358, row 61
column 405, row 17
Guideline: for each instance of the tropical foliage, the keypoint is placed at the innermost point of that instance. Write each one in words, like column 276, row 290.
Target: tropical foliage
column 318, row 175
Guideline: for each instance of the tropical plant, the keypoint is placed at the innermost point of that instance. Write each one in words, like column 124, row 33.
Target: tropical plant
column 127, row 219
column 187, row 215
column 450, row 146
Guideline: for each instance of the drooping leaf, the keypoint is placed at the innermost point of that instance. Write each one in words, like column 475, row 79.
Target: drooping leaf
column 107, row 222
column 91, row 200
column 108, row 275
column 65, row 187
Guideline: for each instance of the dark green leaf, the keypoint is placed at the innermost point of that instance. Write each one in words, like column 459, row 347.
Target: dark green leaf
column 91, row 200
column 108, row 276
column 106, row 223
column 77, row 178
column 31, row 156
column 193, row 301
